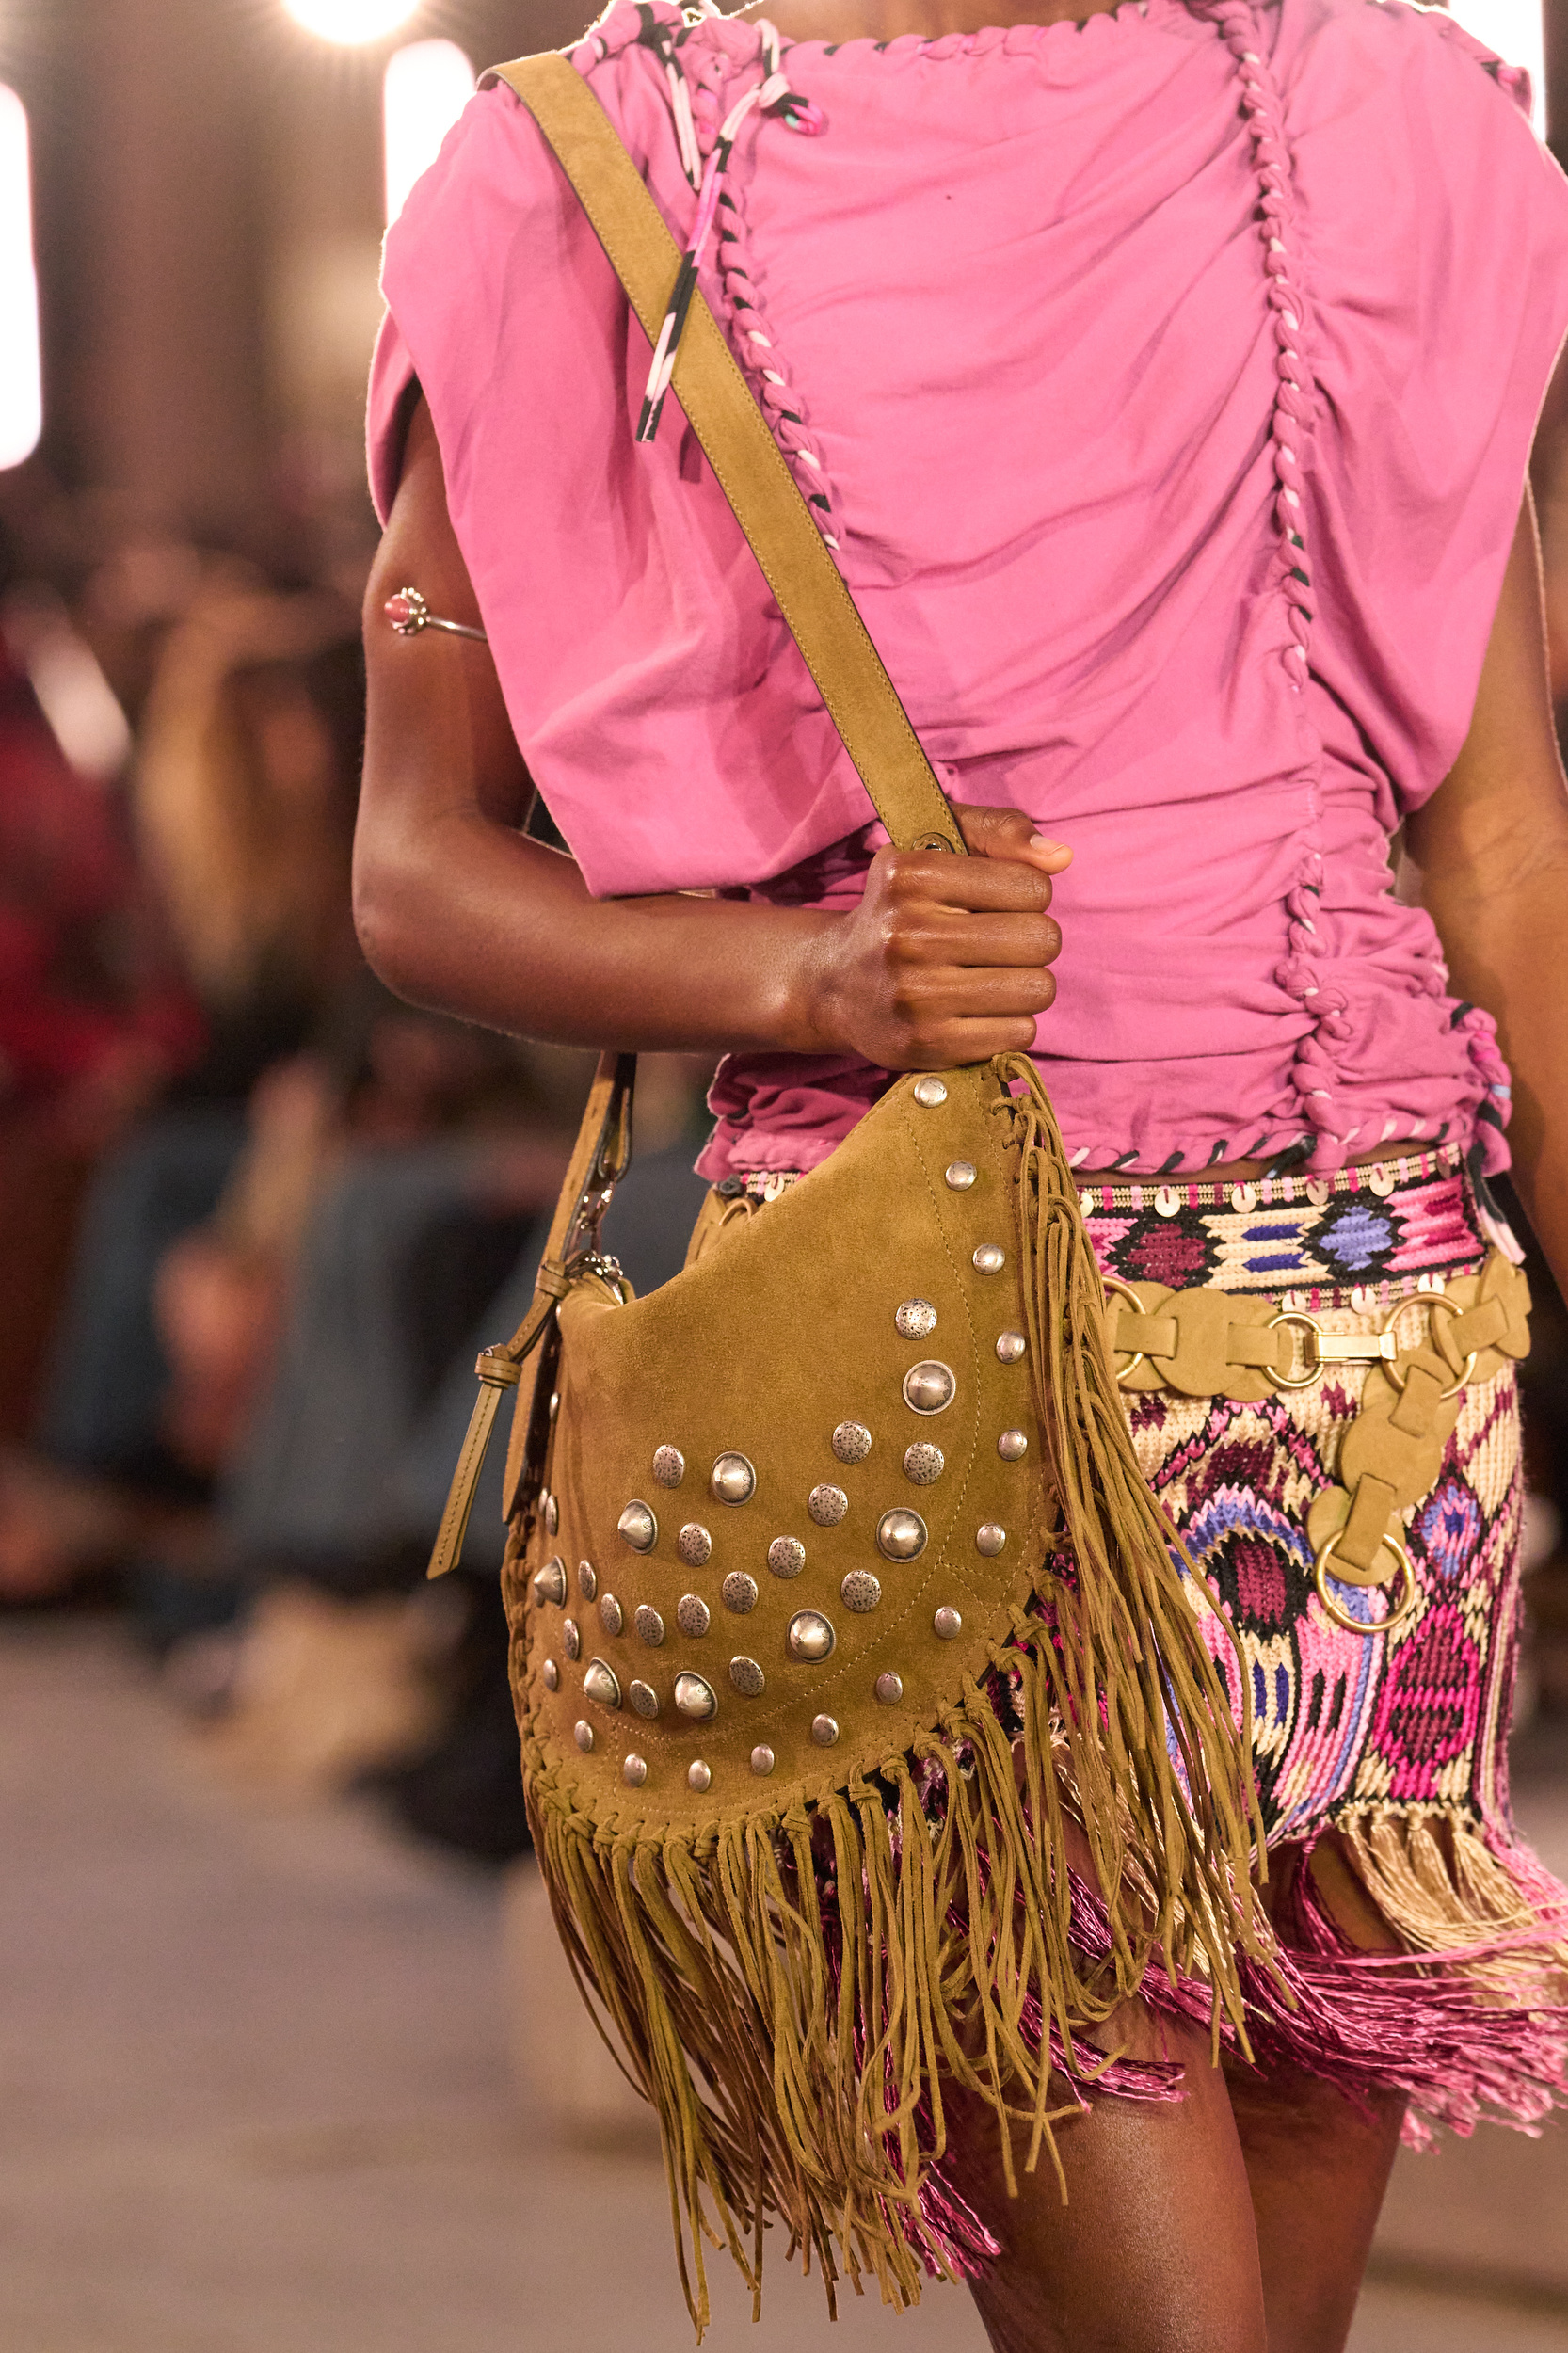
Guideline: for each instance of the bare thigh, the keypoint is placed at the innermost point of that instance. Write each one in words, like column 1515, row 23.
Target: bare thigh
column 1155, row 2249
column 1237, row 2219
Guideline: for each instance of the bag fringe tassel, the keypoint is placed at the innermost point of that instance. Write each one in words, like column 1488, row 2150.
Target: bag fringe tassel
column 796, row 2044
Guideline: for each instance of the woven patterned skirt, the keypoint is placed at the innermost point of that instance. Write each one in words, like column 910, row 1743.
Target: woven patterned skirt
column 1398, row 1741
column 1395, row 1742
column 1389, row 1746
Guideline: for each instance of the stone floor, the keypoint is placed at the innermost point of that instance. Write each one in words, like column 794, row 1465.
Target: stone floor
column 257, row 2095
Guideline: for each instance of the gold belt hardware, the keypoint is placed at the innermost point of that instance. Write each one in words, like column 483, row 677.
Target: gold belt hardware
column 1212, row 1343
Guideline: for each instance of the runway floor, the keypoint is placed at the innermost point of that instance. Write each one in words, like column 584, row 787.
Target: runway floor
column 257, row 2098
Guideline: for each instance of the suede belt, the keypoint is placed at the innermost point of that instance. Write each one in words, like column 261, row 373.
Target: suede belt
column 1422, row 1352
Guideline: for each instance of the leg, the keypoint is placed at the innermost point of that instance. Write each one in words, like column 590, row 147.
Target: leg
column 1155, row 2250
column 1316, row 2165
column 1318, row 2169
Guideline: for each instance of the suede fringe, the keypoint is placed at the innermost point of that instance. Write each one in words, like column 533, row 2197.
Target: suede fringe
column 796, row 2047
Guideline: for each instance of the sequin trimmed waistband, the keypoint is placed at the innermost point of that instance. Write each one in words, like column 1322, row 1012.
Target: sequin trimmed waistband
column 1360, row 1238
column 1358, row 1245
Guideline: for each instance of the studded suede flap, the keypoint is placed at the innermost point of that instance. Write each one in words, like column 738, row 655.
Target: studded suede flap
column 791, row 1344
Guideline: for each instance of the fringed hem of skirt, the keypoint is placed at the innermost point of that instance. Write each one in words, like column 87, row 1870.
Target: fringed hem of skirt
column 1467, row 2024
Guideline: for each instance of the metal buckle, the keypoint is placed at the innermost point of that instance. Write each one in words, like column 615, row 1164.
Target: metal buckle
column 1323, row 1348
column 594, row 1263
column 1396, row 1615
column 1431, row 1301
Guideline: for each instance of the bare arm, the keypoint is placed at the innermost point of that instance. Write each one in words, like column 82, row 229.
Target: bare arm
column 1490, row 852
column 945, row 961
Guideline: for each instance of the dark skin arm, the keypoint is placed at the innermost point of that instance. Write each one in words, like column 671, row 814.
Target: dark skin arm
column 946, row 960
column 1488, row 858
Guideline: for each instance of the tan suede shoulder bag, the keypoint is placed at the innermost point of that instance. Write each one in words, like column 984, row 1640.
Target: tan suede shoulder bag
column 780, row 1534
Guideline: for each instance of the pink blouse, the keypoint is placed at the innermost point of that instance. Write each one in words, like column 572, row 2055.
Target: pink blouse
column 1166, row 386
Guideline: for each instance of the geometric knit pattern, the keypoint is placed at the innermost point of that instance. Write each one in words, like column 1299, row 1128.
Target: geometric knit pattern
column 1377, row 1247
column 1342, row 1720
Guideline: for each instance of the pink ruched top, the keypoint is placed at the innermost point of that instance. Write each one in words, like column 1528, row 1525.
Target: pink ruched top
column 1165, row 386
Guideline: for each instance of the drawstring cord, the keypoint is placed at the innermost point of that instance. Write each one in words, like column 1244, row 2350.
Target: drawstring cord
column 771, row 96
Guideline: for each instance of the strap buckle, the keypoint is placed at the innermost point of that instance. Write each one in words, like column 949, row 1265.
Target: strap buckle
column 1321, row 1348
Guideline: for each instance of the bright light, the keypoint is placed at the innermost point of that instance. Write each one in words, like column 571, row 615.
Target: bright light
column 1515, row 29
column 427, row 86
column 21, row 369
column 351, row 21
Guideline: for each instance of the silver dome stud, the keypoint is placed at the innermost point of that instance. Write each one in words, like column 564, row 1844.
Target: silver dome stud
column 888, row 1687
column 852, row 1442
column 825, row 1729
column 929, row 1092
column 587, row 1582
column 827, row 1505
column 860, row 1591
column 990, row 1538
column 552, row 1511
column 901, row 1535
column 747, row 1678
column 1012, row 1446
column 923, row 1463
column 947, row 1625
column 1012, row 1348
column 669, row 1465
column 739, row 1593
column 699, row 1775
column 696, row 1697
column 959, row 1176
column 734, row 1480
column 584, row 1736
column 601, row 1682
column 929, row 1387
column 811, row 1636
column 649, row 1624
column 915, row 1319
column 762, row 1758
column 694, row 1545
column 692, row 1615
column 638, row 1526
column 549, row 1583
column 989, row 1258
column 611, row 1617
column 551, row 1674
column 571, row 1641
column 643, row 1698
column 786, row 1556
column 633, row 1770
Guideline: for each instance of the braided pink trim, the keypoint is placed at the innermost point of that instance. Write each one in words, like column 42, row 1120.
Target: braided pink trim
column 1294, row 405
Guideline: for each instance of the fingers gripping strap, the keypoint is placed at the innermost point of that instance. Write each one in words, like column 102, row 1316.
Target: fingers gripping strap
column 817, row 607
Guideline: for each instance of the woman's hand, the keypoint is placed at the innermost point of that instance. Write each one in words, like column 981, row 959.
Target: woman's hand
column 946, row 959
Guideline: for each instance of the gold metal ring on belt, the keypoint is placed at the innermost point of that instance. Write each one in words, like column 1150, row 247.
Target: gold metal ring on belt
column 1125, row 1290
column 1431, row 1301
column 1397, row 1615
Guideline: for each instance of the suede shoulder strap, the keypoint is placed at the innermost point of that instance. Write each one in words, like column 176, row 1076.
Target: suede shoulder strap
column 859, row 696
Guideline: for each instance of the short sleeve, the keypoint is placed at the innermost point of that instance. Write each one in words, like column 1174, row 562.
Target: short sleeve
column 1436, row 230
column 393, row 385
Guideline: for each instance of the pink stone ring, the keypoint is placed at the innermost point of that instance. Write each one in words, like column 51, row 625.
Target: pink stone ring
column 408, row 614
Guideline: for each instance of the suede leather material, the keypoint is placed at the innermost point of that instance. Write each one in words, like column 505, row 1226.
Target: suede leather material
column 782, row 1328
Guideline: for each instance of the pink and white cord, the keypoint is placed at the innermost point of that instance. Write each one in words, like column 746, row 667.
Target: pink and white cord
column 771, row 96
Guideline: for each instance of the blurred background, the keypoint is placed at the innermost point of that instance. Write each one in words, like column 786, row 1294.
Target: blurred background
column 288, row 2060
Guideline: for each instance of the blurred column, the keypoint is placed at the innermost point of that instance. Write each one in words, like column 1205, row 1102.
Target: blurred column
column 164, row 399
